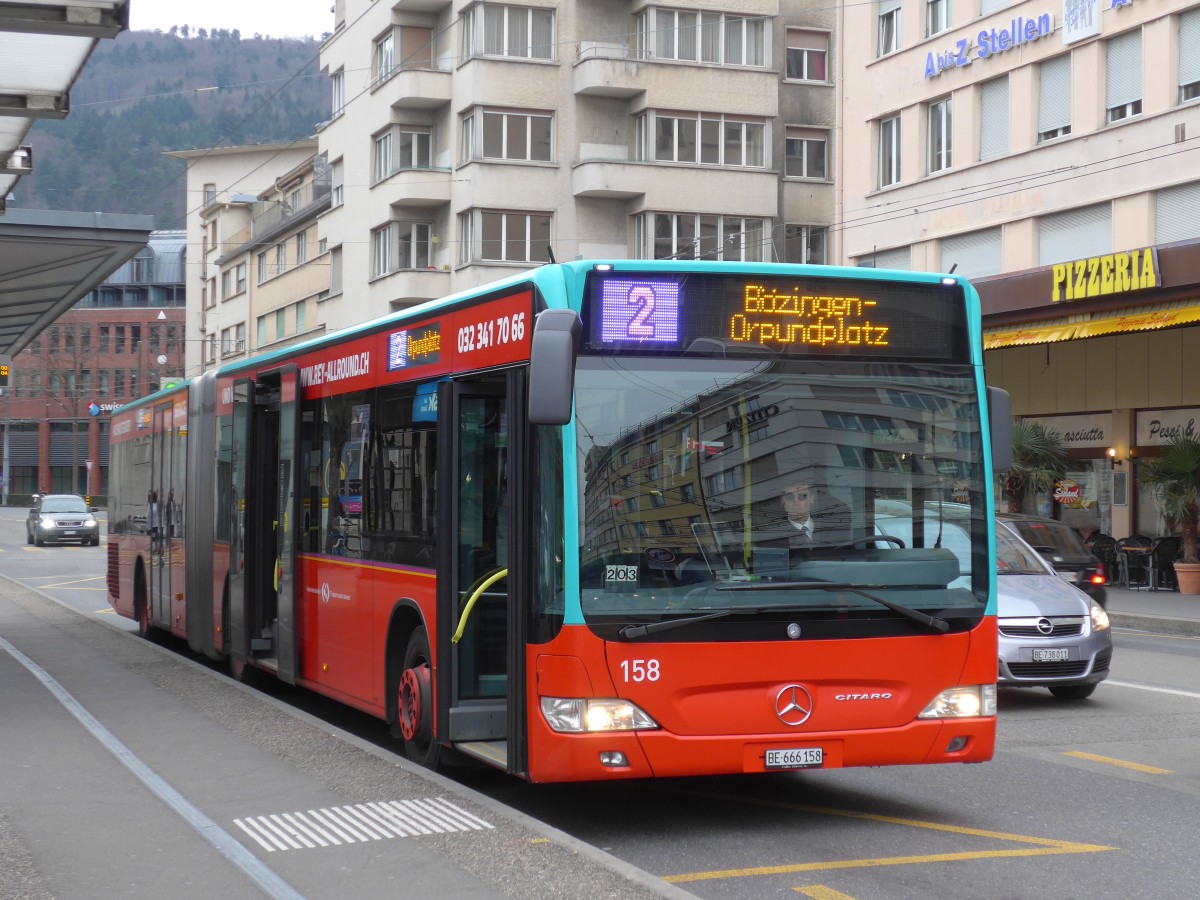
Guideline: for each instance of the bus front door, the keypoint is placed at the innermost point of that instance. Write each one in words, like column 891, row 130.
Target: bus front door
column 473, row 566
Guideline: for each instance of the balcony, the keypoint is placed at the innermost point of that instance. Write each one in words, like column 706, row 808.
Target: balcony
column 408, row 287
column 606, row 70
column 419, row 89
column 746, row 192
column 416, row 188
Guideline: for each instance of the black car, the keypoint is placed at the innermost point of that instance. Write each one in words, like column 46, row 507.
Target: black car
column 1061, row 546
column 56, row 518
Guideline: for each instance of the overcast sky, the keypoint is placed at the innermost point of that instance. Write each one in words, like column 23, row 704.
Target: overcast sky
column 277, row 18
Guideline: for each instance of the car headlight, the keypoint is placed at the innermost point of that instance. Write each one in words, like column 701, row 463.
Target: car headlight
column 89, row 523
column 1100, row 620
column 45, row 522
column 965, row 701
column 576, row 715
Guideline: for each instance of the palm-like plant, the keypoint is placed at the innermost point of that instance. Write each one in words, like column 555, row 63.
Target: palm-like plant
column 1039, row 460
column 1175, row 478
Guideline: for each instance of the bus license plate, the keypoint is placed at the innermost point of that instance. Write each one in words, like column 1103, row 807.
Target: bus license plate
column 1059, row 654
column 795, row 758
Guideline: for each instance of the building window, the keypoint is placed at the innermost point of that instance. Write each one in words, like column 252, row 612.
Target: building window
column 691, row 236
column 889, row 151
column 261, row 331
column 280, row 323
column 723, row 140
column 384, row 165
column 993, row 118
column 1189, row 55
column 807, row 55
column 336, row 183
column 889, row 27
column 416, row 244
column 301, row 317
column 940, row 135
column 1075, row 234
column 519, row 136
column 804, row 244
column 280, row 258
column 337, row 88
column 937, row 16
column 492, row 29
column 707, row 37
column 263, row 267
column 382, row 243
column 1123, row 82
column 1054, row 98
column 301, row 247
column 973, row 255
column 210, row 194
column 501, row 236
column 241, row 277
column 805, row 153
column 385, row 56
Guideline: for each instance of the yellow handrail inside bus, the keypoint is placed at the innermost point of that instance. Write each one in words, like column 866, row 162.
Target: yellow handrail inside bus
column 476, row 594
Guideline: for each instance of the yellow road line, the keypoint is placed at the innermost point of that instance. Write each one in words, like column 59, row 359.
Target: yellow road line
column 1042, row 846
column 820, row 892
column 1137, row 767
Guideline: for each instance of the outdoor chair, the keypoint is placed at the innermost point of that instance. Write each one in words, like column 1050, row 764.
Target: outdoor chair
column 1162, row 563
column 1135, row 553
column 1104, row 548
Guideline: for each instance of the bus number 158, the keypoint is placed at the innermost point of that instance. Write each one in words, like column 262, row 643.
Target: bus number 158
column 640, row 669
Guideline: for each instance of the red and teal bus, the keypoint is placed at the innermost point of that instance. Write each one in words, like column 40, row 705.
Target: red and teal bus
column 556, row 523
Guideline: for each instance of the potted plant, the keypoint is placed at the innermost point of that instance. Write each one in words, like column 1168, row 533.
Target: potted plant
column 1038, row 462
column 1175, row 478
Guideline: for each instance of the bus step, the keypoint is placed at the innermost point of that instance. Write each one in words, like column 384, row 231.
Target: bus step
column 260, row 644
column 494, row 753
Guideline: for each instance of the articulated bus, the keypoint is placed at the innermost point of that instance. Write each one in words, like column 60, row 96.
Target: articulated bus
column 545, row 523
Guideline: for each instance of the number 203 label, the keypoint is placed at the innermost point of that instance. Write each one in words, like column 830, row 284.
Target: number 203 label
column 640, row 670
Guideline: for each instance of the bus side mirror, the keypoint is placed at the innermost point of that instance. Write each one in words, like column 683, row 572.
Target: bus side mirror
column 552, row 366
column 1000, row 417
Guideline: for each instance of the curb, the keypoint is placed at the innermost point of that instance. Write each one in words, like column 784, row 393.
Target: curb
column 1155, row 624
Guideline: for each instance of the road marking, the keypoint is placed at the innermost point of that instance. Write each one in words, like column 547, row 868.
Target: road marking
column 1149, row 687
column 362, row 822
column 1137, row 767
column 1042, row 846
column 820, row 892
column 225, row 843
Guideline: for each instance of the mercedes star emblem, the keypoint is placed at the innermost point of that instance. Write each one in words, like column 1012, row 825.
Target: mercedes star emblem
column 793, row 705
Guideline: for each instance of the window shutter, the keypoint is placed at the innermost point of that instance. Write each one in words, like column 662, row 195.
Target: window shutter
column 1175, row 213
column 1054, row 94
column 1124, row 69
column 993, row 113
column 1189, row 47
column 990, row 6
column 886, row 6
column 1075, row 234
column 977, row 254
column 899, row 258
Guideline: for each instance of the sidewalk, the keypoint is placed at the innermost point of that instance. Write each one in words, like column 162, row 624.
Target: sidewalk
column 1163, row 612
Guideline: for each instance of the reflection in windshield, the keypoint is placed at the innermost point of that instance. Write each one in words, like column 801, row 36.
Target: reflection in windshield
column 702, row 473
column 64, row 506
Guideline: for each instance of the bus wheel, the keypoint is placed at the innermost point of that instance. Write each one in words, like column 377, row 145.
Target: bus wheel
column 141, row 605
column 414, row 703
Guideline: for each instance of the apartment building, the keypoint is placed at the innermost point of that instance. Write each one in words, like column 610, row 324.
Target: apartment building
column 124, row 339
column 261, row 268
column 1050, row 151
column 471, row 139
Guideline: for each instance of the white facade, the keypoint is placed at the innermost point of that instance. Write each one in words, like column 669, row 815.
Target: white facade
column 1087, row 116
column 468, row 138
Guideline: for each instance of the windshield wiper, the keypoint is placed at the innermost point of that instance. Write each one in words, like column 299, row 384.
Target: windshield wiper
column 934, row 623
column 630, row 632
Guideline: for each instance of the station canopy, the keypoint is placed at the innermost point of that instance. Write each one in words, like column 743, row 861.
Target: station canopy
column 49, row 259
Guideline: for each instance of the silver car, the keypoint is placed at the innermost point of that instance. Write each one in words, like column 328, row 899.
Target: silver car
column 1052, row 634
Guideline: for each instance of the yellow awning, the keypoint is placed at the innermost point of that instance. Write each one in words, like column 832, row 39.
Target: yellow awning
column 1165, row 315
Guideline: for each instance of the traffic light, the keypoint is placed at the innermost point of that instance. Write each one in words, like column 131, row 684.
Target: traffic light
column 3, row 375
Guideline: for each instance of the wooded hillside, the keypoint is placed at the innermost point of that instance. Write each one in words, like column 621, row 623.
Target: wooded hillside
column 144, row 93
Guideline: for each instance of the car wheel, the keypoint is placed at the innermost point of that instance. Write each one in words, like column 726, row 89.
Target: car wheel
column 39, row 541
column 28, row 536
column 1073, row 691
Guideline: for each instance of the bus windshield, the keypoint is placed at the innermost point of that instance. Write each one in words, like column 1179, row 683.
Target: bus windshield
column 711, row 484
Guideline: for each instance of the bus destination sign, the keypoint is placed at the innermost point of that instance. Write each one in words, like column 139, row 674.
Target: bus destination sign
column 796, row 316
column 414, row 347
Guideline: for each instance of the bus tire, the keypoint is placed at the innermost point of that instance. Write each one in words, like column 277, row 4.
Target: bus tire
column 414, row 703
column 141, row 607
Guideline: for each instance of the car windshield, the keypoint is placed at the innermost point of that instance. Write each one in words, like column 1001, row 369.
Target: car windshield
column 1015, row 557
column 1050, row 537
column 64, row 505
column 715, row 482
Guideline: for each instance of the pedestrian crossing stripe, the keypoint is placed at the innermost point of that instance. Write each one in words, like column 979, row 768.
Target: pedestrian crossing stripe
column 333, row 826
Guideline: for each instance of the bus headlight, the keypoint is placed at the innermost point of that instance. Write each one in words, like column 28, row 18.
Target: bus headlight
column 577, row 715
column 966, row 701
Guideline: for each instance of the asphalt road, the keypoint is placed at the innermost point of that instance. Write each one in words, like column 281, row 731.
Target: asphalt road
column 1095, row 798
